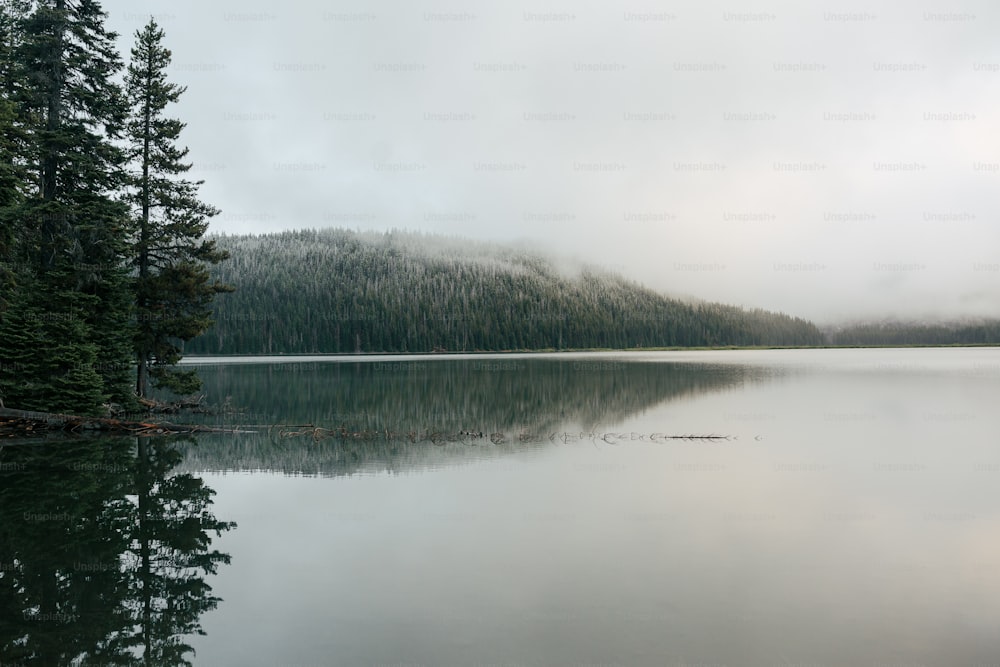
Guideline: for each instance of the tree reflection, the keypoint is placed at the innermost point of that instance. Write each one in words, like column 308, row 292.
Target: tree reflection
column 103, row 553
column 526, row 401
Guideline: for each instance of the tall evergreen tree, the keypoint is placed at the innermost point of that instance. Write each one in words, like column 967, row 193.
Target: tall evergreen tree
column 74, row 228
column 13, row 176
column 173, row 288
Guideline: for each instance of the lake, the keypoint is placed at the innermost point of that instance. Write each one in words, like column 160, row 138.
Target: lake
column 772, row 507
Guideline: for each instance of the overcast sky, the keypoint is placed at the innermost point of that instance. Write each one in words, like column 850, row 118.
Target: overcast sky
column 831, row 160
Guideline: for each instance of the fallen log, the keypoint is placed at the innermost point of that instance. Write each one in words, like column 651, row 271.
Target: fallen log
column 21, row 423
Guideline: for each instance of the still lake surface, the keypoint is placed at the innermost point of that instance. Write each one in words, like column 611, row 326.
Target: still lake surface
column 848, row 514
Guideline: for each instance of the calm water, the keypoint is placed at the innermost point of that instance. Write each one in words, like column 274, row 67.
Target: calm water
column 847, row 514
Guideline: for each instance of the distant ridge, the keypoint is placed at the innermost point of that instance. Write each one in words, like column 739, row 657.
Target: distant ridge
column 898, row 333
column 339, row 291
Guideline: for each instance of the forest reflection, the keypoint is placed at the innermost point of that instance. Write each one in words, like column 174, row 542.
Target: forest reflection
column 410, row 415
column 104, row 551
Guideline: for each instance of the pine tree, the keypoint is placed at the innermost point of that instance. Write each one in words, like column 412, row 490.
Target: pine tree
column 73, row 229
column 12, row 164
column 173, row 288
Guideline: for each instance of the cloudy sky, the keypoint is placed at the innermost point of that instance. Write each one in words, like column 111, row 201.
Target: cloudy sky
column 831, row 160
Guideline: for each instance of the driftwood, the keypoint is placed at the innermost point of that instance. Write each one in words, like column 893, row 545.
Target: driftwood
column 21, row 423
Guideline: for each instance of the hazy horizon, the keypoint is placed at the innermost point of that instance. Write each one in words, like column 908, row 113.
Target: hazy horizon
column 830, row 163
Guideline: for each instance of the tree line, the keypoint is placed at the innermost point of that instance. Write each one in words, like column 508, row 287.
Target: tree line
column 901, row 334
column 338, row 291
column 102, row 256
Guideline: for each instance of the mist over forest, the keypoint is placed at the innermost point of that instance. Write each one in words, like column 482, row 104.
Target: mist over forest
column 341, row 291
column 730, row 154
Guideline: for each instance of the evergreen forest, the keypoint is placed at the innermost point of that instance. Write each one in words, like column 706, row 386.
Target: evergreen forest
column 103, row 264
column 342, row 291
column 338, row 291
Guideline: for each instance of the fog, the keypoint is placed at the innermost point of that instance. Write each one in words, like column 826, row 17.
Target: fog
column 832, row 162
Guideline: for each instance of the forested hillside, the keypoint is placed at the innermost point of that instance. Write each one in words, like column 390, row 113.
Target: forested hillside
column 984, row 332
column 339, row 291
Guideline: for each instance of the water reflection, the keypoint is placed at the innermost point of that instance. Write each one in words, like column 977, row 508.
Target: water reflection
column 104, row 550
column 411, row 415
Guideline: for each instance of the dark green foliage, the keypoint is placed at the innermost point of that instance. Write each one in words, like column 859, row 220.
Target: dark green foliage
column 13, row 175
column 48, row 364
column 88, row 286
column 172, row 285
column 10, row 227
column 337, row 291
column 71, row 232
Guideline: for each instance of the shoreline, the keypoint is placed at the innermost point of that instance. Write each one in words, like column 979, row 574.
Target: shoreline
column 203, row 358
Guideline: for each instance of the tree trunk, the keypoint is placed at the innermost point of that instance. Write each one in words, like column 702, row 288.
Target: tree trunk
column 142, row 373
